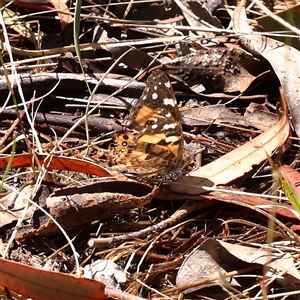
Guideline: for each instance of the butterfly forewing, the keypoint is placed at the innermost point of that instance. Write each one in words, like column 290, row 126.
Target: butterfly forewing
column 157, row 101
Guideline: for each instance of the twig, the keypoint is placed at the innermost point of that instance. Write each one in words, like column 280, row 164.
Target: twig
column 117, row 294
column 187, row 208
column 14, row 125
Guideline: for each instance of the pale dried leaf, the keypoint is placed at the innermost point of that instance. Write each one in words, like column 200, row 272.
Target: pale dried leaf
column 22, row 27
column 278, row 261
column 65, row 16
column 285, row 61
column 236, row 163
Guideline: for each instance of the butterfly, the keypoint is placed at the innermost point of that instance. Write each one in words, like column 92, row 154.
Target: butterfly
column 152, row 143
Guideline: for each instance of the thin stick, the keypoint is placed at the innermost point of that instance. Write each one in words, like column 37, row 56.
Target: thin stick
column 187, row 208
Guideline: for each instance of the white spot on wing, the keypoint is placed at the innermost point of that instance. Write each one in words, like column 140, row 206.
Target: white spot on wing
column 169, row 126
column 169, row 101
column 167, row 84
column 154, row 126
column 154, row 96
column 173, row 138
column 155, row 87
column 168, row 115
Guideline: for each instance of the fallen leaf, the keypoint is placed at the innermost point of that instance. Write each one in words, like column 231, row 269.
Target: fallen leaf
column 236, row 163
column 200, row 265
column 234, row 196
column 56, row 162
column 210, row 114
column 199, row 15
column 247, row 260
column 278, row 262
column 64, row 14
column 258, row 116
column 289, row 180
column 75, row 207
column 285, row 61
column 40, row 284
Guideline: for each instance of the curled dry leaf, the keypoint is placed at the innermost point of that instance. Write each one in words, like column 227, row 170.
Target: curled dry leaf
column 285, row 61
column 275, row 261
column 253, row 261
column 200, row 265
column 200, row 15
column 236, row 163
column 73, row 207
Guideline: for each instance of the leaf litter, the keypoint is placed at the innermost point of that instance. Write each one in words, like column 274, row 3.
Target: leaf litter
column 221, row 228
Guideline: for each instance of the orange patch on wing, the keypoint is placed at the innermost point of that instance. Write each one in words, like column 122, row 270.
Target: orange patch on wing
column 143, row 115
column 175, row 150
column 170, row 149
column 151, row 138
